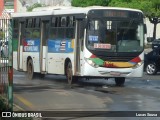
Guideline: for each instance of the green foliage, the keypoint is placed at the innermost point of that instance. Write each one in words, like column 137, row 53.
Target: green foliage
column 149, row 7
column 29, row 9
column 1, row 34
column 85, row 3
column 3, row 104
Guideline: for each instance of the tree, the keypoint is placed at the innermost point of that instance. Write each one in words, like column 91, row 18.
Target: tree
column 1, row 34
column 30, row 8
column 151, row 8
column 85, row 3
column 154, row 15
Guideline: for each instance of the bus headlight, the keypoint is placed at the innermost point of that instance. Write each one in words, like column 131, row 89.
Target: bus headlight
column 90, row 62
column 138, row 64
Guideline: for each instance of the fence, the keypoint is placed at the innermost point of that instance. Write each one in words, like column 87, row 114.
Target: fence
column 6, row 69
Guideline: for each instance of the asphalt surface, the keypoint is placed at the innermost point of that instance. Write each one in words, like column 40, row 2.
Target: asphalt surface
column 53, row 94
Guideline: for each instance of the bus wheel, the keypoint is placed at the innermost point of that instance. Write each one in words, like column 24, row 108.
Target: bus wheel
column 69, row 73
column 30, row 69
column 119, row 81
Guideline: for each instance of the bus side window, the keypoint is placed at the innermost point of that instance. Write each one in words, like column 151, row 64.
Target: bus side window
column 36, row 28
column 63, row 21
column 70, row 27
column 60, row 28
column 53, row 29
column 36, row 33
column 28, row 33
column 30, row 23
column 70, row 20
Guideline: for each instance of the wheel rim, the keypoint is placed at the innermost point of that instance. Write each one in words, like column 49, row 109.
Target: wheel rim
column 151, row 69
column 69, row 73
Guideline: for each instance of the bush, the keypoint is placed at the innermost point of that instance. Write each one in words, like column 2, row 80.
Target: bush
column 30, row 8
column 4, row 105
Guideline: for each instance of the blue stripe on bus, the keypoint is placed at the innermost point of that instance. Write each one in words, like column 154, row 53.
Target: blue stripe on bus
column 60, row 46
column 31, row 45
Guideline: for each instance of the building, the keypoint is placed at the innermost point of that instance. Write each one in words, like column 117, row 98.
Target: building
column 150, row 28
column 8, row 5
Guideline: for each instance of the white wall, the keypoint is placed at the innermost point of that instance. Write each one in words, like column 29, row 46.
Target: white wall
column 20, row 8
column 49, row 2
column 150, row 29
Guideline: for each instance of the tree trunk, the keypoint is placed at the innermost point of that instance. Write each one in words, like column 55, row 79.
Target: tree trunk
column 154, row 30
column 154, row 21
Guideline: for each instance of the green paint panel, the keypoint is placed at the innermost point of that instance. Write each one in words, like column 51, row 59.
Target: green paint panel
column 97, row 61
column 15, row 44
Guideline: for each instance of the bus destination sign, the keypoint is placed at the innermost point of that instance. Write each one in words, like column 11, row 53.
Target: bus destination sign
column 114, row 13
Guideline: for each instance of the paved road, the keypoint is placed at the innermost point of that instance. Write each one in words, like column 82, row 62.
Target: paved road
column 52, row 93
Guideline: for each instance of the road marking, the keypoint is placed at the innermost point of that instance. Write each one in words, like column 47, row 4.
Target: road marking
column 24, row 101
column 18, row 107
column 62, row 92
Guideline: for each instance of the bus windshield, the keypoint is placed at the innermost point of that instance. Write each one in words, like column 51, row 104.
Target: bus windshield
column 115, row 34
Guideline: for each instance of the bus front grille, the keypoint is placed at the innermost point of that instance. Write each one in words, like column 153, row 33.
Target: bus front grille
column 116, row 58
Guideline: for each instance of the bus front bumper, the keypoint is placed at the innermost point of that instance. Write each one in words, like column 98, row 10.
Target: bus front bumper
column 112, row 72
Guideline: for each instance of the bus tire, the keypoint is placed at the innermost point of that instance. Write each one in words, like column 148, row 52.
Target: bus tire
column 69, row 74
column 30, row 69
column 119, row 81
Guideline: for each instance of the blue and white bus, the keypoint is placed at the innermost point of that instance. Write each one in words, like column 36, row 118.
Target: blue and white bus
column 105, row 42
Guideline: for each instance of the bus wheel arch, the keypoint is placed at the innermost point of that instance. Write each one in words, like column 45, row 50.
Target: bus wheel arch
column 30, row 68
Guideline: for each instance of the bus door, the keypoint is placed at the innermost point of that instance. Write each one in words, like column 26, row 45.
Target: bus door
column 43, row 46
column 20, row 45
column 79, row 41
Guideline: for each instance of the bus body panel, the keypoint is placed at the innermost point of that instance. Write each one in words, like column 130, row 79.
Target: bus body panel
column 31, row 50
column 56, row 62
column 89, row 70
column 55, row 43
column 58, row 51
column 35, row 58
column 44, row 59
column 112, row 72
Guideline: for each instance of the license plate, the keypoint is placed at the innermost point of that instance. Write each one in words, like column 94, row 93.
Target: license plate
column 115, row 73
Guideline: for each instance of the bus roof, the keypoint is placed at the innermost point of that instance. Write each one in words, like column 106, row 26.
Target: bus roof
column 61, row 10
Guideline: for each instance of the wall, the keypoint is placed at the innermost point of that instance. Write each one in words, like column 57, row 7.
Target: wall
column 1, row 6
column 150, row 29
column 7, row 10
